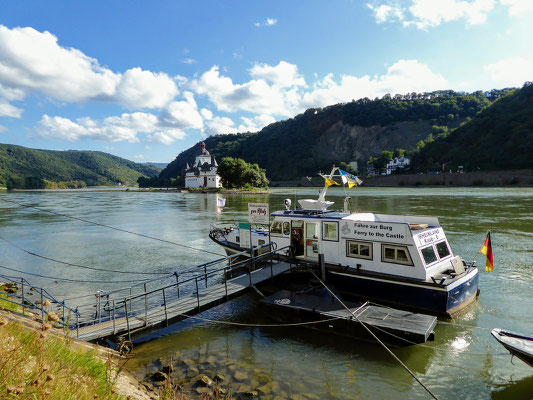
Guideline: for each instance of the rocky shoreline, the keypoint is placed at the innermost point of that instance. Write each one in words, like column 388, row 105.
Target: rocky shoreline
column 205, row 376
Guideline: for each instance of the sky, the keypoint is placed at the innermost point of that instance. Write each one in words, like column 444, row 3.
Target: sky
column 147, row 80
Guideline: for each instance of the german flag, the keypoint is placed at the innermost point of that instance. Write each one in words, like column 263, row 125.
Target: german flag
column 487, row 250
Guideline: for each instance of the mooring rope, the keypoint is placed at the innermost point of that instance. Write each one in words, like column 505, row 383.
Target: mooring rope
column 31, row 253
column 57, row 278
column 247, row 325
column 112, row 227
column 376, row 338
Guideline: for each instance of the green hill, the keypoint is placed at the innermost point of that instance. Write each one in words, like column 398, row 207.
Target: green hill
column 498, row 138
column 95, row 168
column 352, row 131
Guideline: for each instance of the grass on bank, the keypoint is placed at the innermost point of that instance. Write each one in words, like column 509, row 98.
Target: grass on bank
column 36, row 365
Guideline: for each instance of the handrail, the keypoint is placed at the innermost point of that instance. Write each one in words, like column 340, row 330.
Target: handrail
column 210, row 273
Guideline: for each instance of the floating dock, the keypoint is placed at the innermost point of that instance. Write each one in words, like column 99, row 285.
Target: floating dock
column 393, row 326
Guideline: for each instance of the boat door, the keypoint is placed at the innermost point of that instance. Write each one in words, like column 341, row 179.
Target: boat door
column 297, row 238
column 311, row 240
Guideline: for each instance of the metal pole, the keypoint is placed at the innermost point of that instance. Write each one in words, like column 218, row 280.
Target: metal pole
column 77, row 325
column 322, row 263
column 205, row 275
column 127, row 318
column 23, row 307
column 42, row 307
column 114, row 328
column 165, row 304
column 145, row 306
column 226, row 283
column 197, row 293
column 250, row 274
column 99, row 309
column 63, row 304
column 177, row 283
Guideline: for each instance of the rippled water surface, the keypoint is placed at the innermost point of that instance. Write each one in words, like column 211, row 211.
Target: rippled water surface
column 463, row 362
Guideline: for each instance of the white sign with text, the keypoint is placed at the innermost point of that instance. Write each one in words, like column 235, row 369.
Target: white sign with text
column 258, row 213
column 375, row 231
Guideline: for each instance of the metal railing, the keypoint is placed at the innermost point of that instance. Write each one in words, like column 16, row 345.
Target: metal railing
column 137, row 301
column 25, row 302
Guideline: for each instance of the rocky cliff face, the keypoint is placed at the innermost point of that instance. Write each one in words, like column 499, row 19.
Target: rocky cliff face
column 346, row 142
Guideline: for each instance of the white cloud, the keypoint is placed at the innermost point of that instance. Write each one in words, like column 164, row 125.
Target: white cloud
column 386, row 12
column 126, row 127
column 256, row 123
column 429, row 13
column 9, row 110
column 167, row 136
column 220, row 125
column 511, row 71
column 34, row 62
column 182, row 114
column 225, row 125
column 281, row 91
column 206, row 114
column 188, row 61
column 267, row 22
column 2, row 129
column 139, row 89
column 255, row 96
column 405, row 76
column 283, row 75
column 518, row 7
column 138, row 157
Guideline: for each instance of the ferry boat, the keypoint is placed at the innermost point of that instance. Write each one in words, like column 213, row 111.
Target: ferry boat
column 401, row 260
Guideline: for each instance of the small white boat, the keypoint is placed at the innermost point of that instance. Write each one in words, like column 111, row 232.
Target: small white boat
column 401, row 260
column 519, row 345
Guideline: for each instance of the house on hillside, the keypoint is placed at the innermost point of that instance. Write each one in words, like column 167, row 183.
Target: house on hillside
column 397, row 163
column 203, row 173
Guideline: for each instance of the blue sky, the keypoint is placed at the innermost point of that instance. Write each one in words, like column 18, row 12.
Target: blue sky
column 146, row 80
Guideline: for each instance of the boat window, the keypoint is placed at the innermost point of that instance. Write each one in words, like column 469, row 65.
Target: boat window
column 238, row 239
column 429, row 255
column 286, row 228
column 311, row 230
column 442, row 249
column 297, row 224
column 395, row 254
column 330, row 231
column 276, row 227
column 358, row 249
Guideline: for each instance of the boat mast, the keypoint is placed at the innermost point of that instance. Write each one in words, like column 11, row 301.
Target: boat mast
column 322, row 195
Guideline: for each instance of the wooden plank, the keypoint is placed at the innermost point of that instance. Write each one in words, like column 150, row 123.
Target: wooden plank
column 149, row 320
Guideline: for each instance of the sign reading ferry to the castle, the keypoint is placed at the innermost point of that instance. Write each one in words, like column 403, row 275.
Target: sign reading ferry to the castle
column 374, row 231
column 258, row 213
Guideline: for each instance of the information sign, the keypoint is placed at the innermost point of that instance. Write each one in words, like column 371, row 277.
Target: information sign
column 258, row 213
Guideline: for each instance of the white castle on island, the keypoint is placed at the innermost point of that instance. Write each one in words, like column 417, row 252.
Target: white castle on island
column 203, row 173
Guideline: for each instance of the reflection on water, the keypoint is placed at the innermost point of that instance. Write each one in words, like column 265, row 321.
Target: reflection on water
column 463, row 361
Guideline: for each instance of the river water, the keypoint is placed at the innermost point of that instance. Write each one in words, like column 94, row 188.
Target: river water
column 464, row 361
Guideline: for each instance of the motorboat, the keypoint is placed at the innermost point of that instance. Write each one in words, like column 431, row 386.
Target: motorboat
column 401, row 260
column 518, row 344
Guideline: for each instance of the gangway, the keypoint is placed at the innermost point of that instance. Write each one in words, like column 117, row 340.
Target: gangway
column 141, row 309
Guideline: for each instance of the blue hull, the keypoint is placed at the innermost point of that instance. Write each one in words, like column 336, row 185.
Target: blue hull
column 432, row 299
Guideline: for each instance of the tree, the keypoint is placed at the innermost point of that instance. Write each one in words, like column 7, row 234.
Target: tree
column 237, row 173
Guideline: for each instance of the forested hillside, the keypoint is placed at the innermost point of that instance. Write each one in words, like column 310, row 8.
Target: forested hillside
column 353, row 131
column 24, row 167
column 499, row 137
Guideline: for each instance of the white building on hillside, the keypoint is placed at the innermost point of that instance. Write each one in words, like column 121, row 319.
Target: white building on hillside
column 203, row 173
column 398, row 162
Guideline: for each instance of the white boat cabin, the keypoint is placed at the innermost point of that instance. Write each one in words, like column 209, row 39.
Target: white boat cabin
column 407, row 246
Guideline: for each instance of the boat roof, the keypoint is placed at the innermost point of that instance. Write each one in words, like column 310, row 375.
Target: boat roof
column 358, row 216
column 310, row 214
